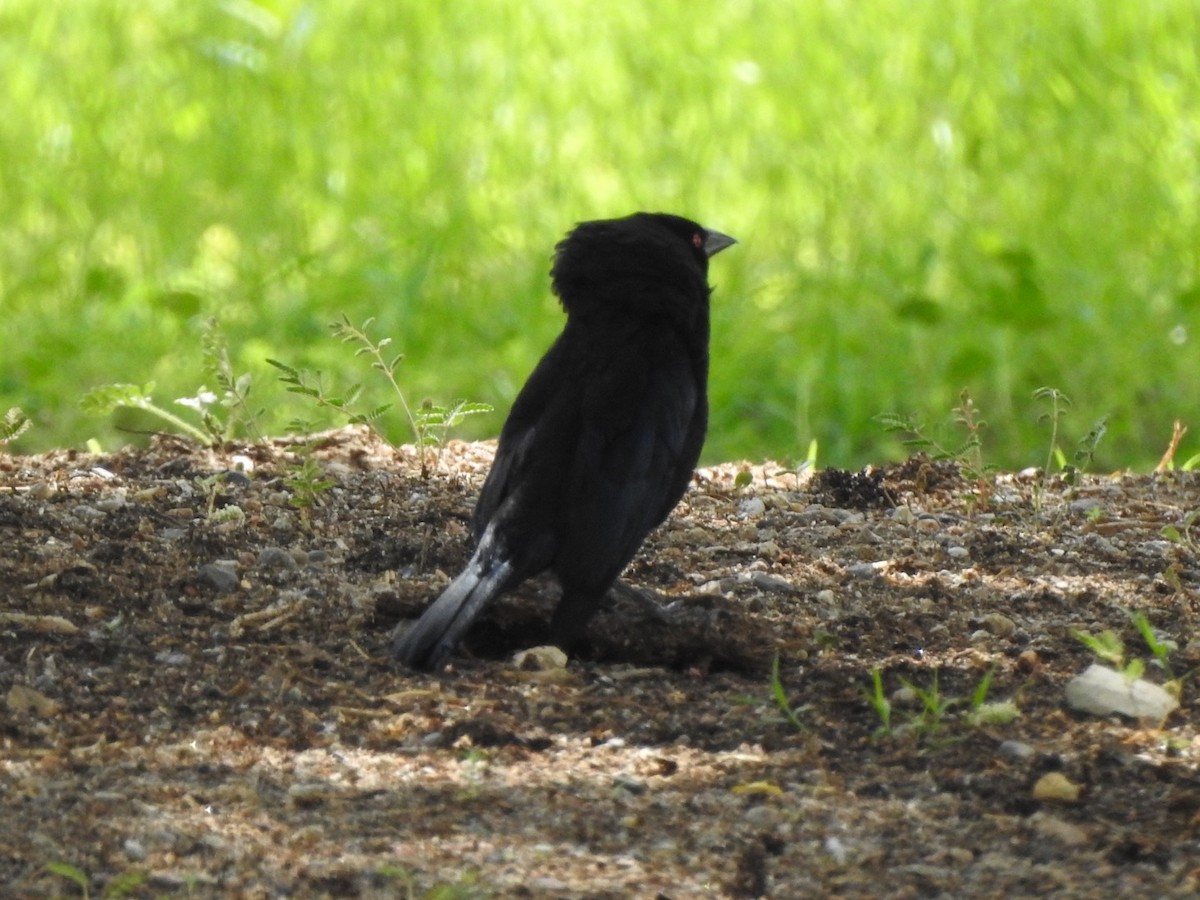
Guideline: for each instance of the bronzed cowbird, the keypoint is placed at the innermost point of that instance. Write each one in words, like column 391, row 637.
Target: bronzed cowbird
column 601, row 442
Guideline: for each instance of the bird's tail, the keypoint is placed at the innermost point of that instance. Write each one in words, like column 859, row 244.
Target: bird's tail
column 428, row 643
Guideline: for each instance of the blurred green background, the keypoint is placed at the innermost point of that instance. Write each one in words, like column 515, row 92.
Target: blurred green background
column 928, row 195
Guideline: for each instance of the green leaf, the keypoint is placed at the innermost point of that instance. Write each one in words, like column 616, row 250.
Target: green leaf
column 13, row 425
column 66, row 870
column 104, row 399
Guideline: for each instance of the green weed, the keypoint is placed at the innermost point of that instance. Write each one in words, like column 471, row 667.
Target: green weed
column 123, row 885
column 779, row 695
column 306, row 480
column 107, row 398
column 221, row 415
column 234, row 389
column 880, row 703
column 71, row 872
column 968, row 453
column 13, row 425
column 934, row 705
column 1058, row 403
column 430, row 424
column 1110, row 649
column 936, row 708
column 1174, row 533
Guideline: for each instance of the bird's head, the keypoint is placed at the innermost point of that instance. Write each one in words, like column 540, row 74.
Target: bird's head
column 651, row 263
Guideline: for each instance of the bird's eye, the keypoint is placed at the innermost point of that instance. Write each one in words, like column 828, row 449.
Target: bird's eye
column 697, row 240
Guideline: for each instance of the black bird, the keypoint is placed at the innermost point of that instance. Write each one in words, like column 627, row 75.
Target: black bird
column 601, row 442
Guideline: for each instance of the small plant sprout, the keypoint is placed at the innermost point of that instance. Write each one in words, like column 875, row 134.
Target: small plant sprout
column 430, row 424
column 781, row 698
column 13, row 425
column 234, row 388
column 1109, row 649
column 966, row 415
column 212, row 486
column 307, row 481
column 348, row 334
column 984, row 714
column 108, row 397
column 1058, row 403
column 934, row 705
column 968, row 454
column 66, row 870
column 214, row 428
column 1087, row 449
column 435, row 423
column 1176, row 536
column 1161, row 649
column 880, row 703
column 1106, row 647
column 124, row 885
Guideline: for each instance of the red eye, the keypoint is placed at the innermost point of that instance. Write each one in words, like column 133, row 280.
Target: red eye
column 697, row 240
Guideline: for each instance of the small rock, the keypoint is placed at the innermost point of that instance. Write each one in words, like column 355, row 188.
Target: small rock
column 750, row 508
column 1028, row 661
column 241, row 463
column 629, row 783
column 111, row 503
column 540, row 659
column 768, row 550
column 960, row 855
column 217, row 576
column 308, row 795
column 23, row 700
column 1101, row 544
column 1102, row 691
column 863, row 570
column 763, row 816
column 1057, row 829
column 236, row 478
column 835, row 848
column 999, row 624
column 1017, row 750
column 1056, row 787
column 772, row 584
column 87, row 513
column 275, row 558
column 958, row 552
column 43, row 490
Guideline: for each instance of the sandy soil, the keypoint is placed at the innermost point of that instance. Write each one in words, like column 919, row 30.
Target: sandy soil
column 199, row 703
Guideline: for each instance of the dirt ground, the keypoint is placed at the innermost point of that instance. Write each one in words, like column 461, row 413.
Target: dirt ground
column 199, row 701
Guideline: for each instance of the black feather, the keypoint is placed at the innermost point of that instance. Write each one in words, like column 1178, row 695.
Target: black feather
column 601, row 442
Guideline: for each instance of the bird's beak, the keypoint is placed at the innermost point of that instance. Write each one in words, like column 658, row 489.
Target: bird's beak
column 715, row 242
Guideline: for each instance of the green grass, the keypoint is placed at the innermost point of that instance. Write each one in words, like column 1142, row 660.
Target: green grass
column 929, row 197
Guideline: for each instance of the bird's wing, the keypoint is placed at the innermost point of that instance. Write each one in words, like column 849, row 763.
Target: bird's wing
column 641, row 425
column 535, row 422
